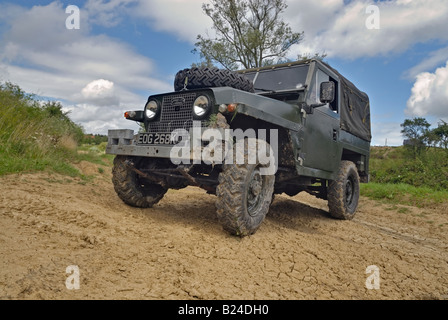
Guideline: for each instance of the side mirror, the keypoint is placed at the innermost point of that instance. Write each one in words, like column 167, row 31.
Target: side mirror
column 327, row 92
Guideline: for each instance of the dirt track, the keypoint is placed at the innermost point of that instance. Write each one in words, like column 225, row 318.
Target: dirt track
column 178, row 250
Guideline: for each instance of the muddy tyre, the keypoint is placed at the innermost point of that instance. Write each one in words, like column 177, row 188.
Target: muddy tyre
column 343, row 193
column 244, row 196
column 197, row 78
column 130, row 188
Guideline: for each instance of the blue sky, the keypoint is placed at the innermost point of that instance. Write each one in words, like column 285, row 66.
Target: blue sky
column 126, row 50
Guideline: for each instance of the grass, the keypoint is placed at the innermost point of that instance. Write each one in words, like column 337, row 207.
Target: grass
column 404, row 194
column 36, row 136
column 396, row 165
column 397, row 177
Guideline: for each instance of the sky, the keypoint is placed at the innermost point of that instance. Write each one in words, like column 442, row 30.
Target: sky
column 122, row 51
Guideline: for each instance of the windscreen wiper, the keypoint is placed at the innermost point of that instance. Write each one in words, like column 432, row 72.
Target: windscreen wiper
column 269, row 91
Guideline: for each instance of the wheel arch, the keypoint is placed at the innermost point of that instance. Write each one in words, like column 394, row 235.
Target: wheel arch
column 360, row 160
column 283, row 141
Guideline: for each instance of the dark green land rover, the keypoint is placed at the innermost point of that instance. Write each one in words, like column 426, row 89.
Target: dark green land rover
column 246, row 136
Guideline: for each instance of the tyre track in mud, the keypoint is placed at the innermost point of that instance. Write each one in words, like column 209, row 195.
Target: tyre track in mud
column 178, row 249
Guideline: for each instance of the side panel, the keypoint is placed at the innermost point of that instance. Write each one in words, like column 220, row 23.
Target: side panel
column 353, row 143
column 357, row 150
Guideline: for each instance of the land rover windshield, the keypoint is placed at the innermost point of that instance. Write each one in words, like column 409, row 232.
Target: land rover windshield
column 279, row 79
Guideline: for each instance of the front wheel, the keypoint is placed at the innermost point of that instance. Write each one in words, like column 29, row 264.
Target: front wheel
column 343, row 193
column 244, row 195
column 131, row 188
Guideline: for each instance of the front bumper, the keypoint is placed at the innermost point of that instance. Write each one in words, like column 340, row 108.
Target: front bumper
column 124, row 142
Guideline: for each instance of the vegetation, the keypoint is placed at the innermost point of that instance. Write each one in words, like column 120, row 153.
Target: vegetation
column 404, row 194
column 94, row 139
column 396, row 165
column 419, row 136
column 399, row 175
column 416, row 173
column 37, row 136
column 249, row 34
column 440, row 134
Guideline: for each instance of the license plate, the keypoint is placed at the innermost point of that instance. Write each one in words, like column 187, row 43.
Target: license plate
column 158, row 138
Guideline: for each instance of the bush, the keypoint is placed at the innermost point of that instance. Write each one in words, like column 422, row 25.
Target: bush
column 394, row 165
column 34, row 136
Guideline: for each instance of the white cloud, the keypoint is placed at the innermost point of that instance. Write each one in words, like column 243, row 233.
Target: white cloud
column 38, row 53
column 100, row 92
column 183, row 18
column 430, row 94
column 434, row 59
column 386, row 133
column 340, row 30
column 107, row 13
column 95, row 119
column 336, row 27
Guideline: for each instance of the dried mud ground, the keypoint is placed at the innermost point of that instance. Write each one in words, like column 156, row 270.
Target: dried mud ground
column 178, row 249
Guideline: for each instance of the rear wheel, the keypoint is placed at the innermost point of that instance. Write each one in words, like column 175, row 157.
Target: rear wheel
column 131, row 188
column 343, row 193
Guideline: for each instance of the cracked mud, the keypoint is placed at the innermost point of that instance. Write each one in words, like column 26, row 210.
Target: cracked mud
column 178, row 250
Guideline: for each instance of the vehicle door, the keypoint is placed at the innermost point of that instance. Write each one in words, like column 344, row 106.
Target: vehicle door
column 321, row 127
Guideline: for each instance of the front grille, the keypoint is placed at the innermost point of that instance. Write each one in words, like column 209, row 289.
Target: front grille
column 176, row 113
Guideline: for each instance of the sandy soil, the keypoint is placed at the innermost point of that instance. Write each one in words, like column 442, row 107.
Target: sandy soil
column 178, row 250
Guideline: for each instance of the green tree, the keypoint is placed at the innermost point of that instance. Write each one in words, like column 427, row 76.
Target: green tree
column 249, row 33
column 442, row 133
column 203, row 64
column 307, row 56
column 431, row 139
column 54, row 109
column 416, row 131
